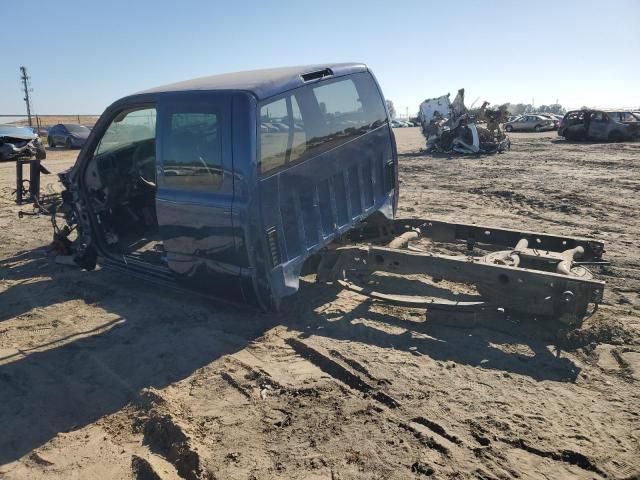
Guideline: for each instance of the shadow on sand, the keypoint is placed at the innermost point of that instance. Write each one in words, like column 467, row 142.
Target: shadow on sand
column 158, row 337
column 154, row 341
column 474, row 345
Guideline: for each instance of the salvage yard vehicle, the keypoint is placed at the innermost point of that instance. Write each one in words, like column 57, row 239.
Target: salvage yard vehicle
column 181, row 185
column 530, row 122
column 71, row 135
column 449, row 127
column 600, row 125
column 20, row 142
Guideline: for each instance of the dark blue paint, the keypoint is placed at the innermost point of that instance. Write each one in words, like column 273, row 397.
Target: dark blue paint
column 248, row 240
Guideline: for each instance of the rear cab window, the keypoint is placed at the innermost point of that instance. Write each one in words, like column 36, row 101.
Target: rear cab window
column 315, row 118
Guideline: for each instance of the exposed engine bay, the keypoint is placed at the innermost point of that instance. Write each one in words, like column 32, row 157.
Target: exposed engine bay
column 449, row 127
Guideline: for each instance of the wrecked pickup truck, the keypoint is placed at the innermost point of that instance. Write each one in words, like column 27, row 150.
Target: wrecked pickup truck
column 448, row 127
column 182, row 183
column 20, row 142
column 233, row 185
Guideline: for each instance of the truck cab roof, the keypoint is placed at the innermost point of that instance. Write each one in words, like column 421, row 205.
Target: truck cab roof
column 264, row 83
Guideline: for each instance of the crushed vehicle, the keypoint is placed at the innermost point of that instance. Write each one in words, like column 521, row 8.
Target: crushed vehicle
column 600, row 125
column 448, row 126
column 531, row 122
column 20, row 142
column 180, row 185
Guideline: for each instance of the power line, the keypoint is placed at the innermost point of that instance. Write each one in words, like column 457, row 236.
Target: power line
column 26, row 86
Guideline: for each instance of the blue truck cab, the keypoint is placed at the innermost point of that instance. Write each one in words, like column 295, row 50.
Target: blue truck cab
column 228, row 184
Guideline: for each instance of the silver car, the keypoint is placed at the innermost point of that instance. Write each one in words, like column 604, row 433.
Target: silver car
column 530, row 122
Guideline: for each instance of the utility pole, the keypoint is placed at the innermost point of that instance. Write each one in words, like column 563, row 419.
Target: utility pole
column 26, row 86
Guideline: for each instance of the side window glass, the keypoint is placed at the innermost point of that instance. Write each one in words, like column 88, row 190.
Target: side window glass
column 317, row 118
column 348, row 108
column 299, row 144
column 129, row 128
column 340, row 105
column 192, row 150
column 274, row 135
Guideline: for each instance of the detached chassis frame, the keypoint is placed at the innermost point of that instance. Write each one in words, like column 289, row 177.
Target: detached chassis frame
column 525, row 272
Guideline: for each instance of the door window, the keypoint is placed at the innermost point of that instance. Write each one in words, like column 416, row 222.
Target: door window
column 192, row 149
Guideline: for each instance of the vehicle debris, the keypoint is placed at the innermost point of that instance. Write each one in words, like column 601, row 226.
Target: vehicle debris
column 449, row 127
column 315, row 189
column 20, row 142
column 522, row 272
column 22, row 145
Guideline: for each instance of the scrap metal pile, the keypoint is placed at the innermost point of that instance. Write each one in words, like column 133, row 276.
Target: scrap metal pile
column 449, row 127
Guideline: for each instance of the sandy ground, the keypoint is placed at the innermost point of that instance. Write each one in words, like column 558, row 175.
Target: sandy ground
column 102, row 376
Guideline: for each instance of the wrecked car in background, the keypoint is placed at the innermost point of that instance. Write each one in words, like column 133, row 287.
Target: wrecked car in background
column 20, row 142
column 448, row 127
column 600, row 125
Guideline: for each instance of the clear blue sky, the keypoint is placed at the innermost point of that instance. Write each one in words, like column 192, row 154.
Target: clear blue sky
column 83, row 55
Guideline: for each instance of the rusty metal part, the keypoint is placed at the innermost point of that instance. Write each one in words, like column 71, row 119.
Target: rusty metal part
column 533, row 281
column 403, row 240
column 381, row 231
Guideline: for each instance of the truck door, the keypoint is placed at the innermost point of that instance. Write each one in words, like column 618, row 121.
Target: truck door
column 195, row 192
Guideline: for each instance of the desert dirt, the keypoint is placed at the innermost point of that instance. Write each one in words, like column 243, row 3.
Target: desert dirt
column 103, row 376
